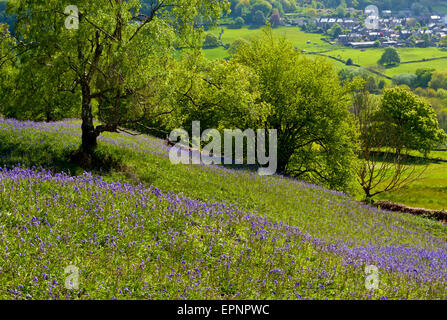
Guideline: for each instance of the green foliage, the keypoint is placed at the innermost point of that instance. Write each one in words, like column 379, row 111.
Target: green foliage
column 335, row 31
column 8, row 61
column 38, row 94
column 211, row 41
column 443, row 41
column 390, row 57
column 410, row 121
column 261, row 5
column 347, row 75
column 236, row 45
column 259, row 18
column 238, row 23
column 316, row 135
column 438, row 80
column 438, row 100
column 408, row 79
column 108, row 61
column 424, row 77
column 220, row 94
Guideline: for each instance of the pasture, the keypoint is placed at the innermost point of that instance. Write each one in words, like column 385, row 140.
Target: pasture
column 364, row 57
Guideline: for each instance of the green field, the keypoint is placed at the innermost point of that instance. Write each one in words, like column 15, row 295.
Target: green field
column 364, row 57
column 429, row 191
column 296, row 36
column 369, row 57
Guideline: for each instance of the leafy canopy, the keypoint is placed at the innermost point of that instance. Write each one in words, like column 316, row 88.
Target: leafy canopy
column 119, row 59
column 316, row 134
column 410, row 121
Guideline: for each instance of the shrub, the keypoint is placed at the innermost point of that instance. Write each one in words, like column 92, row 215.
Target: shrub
column 211, row 41
column 408, row 79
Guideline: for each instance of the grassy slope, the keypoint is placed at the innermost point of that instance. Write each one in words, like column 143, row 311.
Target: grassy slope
column 289, row 263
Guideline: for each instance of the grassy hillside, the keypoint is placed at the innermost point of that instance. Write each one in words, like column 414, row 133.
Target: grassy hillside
column 297, row 37
column 194, row 231
column 366, row 58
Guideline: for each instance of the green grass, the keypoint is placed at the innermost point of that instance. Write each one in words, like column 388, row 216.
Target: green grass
column 364, row 57
column 251, row 238
column 429, row 191
column 369, row 57
column 297, row 37
column 428, row 188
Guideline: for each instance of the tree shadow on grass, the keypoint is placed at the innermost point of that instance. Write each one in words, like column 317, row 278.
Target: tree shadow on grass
column 44, row 155
column 406, row 160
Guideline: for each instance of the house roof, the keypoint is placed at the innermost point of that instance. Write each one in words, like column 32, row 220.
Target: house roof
column 366, row 43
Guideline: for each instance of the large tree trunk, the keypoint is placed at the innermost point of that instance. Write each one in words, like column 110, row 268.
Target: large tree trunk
column 285, row 152
column 89, row 135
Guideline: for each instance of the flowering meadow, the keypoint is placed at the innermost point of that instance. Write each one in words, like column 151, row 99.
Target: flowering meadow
column 151, row 230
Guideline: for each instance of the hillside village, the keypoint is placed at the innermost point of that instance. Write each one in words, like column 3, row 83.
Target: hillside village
column 398, row 29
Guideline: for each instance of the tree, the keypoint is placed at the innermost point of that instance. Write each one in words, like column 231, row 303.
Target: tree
column 242, row 9
column 424, row 77
column 220, row 94
column 390, row 57
column 410, row 121
column 438, row 80
column 341, row 11
column 408, row 79
column 264, row 6
column 347, row 75
column 443, row 41
column 316, row 135
column 412, row 40
column 211, row 41
column 239, row 22
column 118, row 57
column 236, row 45
column 7, row 46
column 37, row 95
column 427, row 40
column 259, row 18
column 335, row 31
column 382, row 168
column 7, row 65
